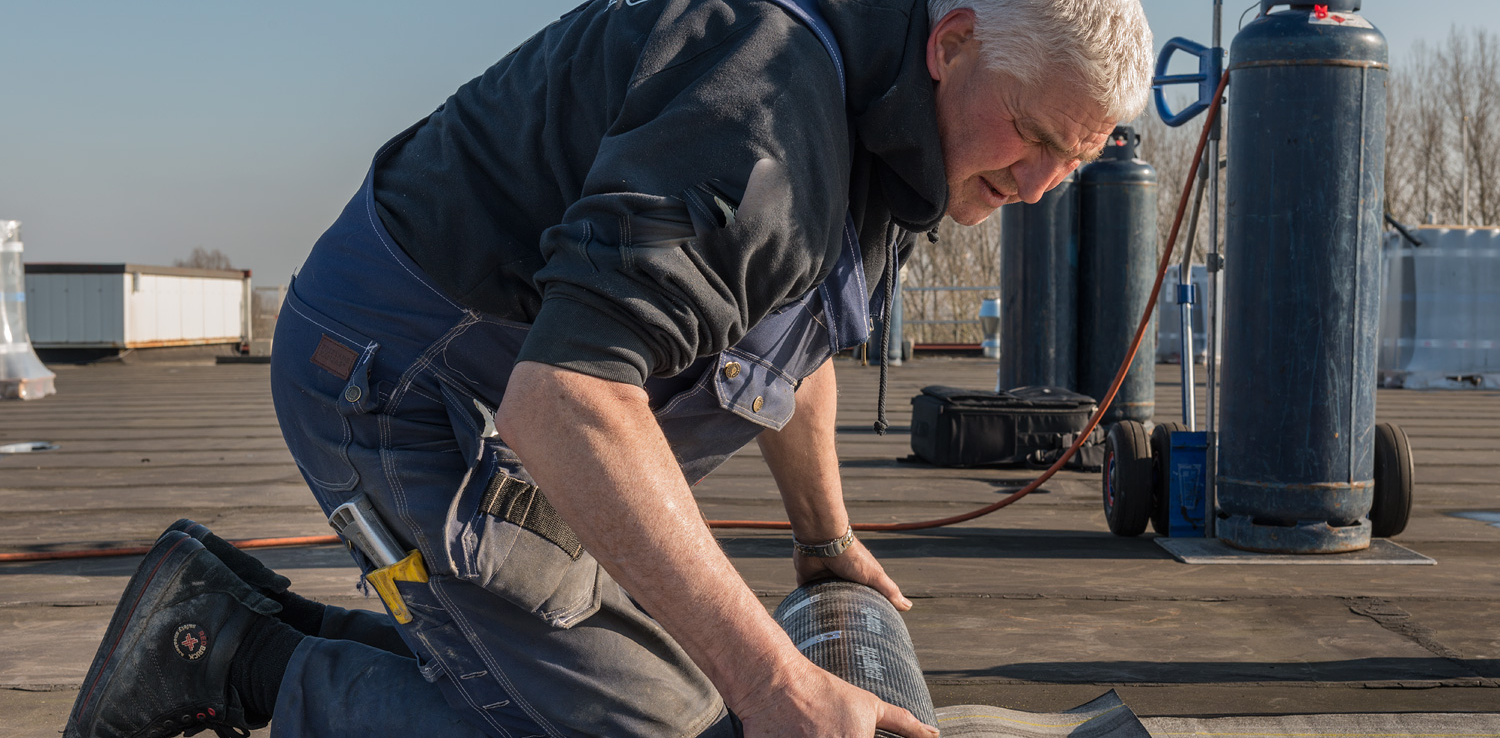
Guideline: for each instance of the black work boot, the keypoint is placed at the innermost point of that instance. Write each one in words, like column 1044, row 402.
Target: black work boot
column 244, row 566
column 163, row 666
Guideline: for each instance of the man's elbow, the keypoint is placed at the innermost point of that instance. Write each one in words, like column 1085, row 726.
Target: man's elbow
column 541, row 395
column 529, row 384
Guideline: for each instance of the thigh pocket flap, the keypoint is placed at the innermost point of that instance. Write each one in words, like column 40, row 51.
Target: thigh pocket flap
column 514, row 543
column 524, row 552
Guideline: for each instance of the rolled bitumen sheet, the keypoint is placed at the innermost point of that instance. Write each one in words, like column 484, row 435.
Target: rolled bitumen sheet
column 1393, row 725
column 1105, row 717
column 856, row 634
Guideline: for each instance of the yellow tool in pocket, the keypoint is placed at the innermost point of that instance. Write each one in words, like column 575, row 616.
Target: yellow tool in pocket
column 409, row 569
column 358, row 523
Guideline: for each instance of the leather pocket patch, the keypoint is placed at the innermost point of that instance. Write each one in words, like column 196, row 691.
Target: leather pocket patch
column 335, row 358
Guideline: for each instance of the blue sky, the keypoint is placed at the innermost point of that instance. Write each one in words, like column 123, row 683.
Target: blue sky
column 137, row 131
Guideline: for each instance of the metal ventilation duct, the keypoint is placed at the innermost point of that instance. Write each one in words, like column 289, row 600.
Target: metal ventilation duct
column 22, row 374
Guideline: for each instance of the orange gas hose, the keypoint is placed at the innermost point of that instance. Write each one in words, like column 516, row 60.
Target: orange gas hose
column 1114, row 389
column 99, row 553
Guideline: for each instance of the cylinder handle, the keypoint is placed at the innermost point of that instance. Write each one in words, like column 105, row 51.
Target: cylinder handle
column 1343, row 6
column 1210, row 65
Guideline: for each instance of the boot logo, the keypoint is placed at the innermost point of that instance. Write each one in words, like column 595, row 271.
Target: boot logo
column 191, row 641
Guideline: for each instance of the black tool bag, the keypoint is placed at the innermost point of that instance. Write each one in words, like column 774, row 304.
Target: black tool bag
column 1029, row 426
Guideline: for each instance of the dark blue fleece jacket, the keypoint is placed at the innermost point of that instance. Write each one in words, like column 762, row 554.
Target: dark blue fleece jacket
column 644, row 180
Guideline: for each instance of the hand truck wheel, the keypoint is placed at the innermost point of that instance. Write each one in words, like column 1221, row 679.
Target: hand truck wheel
column 1393, row 481
column 1161, row 481
column 1127, row 478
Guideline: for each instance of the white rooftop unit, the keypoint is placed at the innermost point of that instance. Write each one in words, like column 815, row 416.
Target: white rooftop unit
column 1440, row 309
column 128, row 306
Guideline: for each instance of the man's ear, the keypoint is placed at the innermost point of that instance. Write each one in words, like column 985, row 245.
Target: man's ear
column 947, row 42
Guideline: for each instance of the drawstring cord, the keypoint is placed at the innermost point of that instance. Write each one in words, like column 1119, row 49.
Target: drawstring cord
column 885, row 331
column 885, row 327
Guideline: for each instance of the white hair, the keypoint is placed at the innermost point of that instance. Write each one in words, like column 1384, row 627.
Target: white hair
column 1103, row 45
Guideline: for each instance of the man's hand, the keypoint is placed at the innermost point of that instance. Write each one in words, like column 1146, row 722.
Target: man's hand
column 811, row 702
column 805, row 463
column 596, row 449
column 856, row 564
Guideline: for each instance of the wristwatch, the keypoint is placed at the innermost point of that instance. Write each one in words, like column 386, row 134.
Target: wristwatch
column 829, row 550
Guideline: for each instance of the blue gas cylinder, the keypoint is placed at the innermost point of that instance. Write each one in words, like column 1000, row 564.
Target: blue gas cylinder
column 1116, row 270
column 1306, row 146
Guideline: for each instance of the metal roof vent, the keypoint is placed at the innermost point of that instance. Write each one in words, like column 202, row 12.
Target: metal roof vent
column 22, row 374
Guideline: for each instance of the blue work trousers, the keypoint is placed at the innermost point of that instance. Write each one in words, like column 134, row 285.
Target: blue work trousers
column 386, row 387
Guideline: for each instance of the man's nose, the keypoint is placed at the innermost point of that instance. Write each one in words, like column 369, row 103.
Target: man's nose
column 1034, row 179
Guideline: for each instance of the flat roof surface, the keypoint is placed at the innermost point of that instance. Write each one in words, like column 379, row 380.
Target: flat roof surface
column 1037, row 607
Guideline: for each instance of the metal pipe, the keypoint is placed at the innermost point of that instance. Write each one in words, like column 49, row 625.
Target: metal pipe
column 1463, row 159
column 1211, row 314
column 1403, row 230
column 1185, row 311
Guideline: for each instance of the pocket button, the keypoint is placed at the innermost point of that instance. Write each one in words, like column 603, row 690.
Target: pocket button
column 352, row 393
column 732, row 369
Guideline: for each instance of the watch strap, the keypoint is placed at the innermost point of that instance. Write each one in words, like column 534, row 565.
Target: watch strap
column 827, row 550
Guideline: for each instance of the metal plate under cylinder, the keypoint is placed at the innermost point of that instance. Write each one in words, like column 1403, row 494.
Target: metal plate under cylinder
column 854, row 633
column 1187, row 485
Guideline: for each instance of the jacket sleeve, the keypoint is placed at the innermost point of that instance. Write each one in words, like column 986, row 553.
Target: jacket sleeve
column 717, row 195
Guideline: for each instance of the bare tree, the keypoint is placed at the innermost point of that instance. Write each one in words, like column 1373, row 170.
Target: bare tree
column 1443, row 129
column 962, row 257
column 202, row 258
column 1170, row 151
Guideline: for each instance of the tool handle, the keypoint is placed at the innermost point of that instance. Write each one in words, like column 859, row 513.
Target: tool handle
column 409, row 569
column 1343, row 6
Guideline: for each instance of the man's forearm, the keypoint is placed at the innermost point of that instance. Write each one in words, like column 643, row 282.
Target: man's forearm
column 595, row 449
column 804, row 460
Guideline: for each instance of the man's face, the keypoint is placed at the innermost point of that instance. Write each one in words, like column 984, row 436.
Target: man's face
column 1001, row 143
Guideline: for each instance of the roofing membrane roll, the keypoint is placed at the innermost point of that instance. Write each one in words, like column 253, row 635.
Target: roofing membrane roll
column 856, row 634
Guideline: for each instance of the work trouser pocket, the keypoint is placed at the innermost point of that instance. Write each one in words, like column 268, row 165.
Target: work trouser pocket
column 320, row 377
column 511, row 541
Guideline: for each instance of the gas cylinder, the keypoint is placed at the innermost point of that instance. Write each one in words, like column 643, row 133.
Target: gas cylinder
column 1039, row 290
column 1116, row 270
column 1306, row 137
